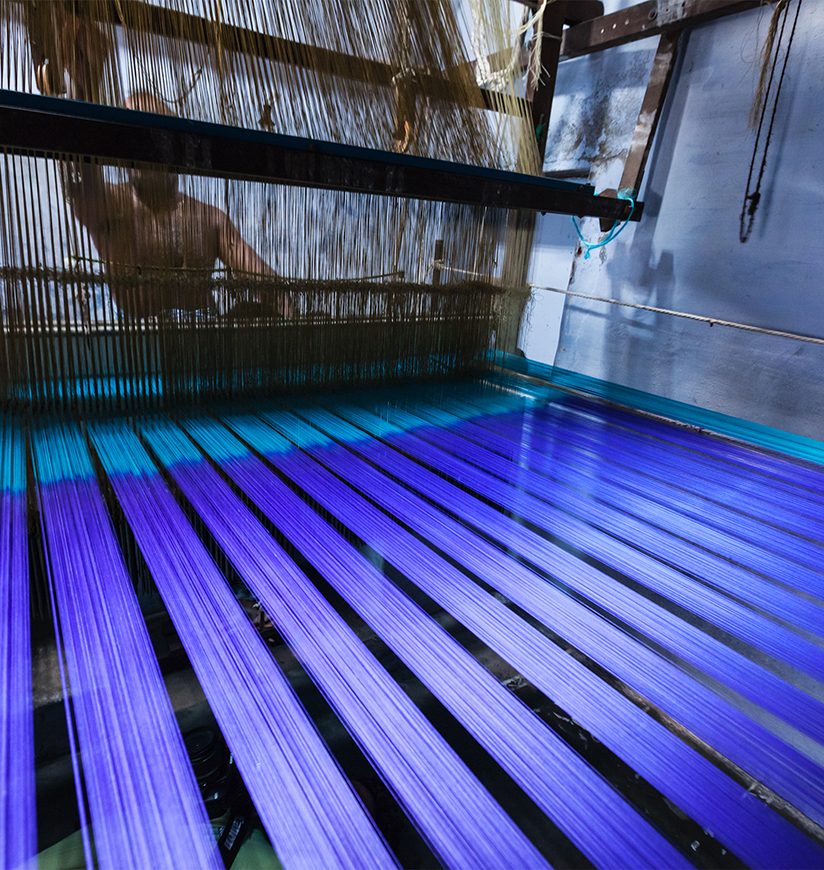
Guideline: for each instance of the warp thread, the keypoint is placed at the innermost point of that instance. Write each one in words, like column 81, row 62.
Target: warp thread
column 519, row 742
column 18, row 814
column 779, row 764
column 308, row 809
column 136, row 774
column 456, row 814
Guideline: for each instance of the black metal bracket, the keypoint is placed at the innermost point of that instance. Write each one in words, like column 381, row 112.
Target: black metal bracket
column 33, row 124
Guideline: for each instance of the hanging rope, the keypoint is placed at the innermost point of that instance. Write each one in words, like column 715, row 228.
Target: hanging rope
column 772, row 53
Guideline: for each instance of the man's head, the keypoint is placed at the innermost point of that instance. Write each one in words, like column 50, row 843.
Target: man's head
column 157, row 188
column 143, row 101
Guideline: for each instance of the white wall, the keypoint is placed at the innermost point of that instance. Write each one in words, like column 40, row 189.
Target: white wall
column 685, row 253
column 549, row 265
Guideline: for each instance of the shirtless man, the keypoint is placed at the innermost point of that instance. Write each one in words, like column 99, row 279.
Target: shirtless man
column 147, row 226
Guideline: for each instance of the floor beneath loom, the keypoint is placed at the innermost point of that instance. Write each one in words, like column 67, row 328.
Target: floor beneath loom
column 601, row 627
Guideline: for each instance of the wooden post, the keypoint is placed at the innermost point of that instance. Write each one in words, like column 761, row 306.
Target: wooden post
column 521, row 225
column 437, row 263
column 541, row 91
column 650, row 114
column 648, row 118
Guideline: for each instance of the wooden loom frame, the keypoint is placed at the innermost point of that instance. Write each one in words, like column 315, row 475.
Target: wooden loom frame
column 34, row 124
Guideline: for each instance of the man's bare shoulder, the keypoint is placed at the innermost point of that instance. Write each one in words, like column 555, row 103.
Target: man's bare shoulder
column 209, row 213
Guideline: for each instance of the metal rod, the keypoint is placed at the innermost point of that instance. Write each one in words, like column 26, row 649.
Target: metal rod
column 713, row 321
column 541, row 91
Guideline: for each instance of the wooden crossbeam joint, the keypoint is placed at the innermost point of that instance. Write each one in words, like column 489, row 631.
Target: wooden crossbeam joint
column 540, row 92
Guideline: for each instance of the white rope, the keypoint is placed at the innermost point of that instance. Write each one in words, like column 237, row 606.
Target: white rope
column 502, row 78
column 713, row 321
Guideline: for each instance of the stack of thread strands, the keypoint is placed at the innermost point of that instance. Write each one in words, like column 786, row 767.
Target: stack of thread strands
column 326, row 305
column 672, row 631
column 132, row 285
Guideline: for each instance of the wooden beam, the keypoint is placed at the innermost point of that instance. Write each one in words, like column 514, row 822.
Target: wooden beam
column 184, row 25
column 648, row 117
column 540, row 93
column 48, row 126
column 650, row 114
column 521, row 224
column 576, row 10
column 646, row 19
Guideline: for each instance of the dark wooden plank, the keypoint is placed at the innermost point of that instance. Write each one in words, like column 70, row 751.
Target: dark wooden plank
column 576, row 10
column 646, row 19
column 650, row 113
column 46, row 125
column 648, row 117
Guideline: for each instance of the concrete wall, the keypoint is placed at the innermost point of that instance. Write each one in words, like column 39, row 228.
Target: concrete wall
column 685, row 254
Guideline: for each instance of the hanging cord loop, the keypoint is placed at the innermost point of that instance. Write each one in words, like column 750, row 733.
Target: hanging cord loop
column 752, row 198
column 617, row 227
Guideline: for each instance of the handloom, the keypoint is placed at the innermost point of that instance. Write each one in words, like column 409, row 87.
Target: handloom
column 109, row 289
column 255, row 452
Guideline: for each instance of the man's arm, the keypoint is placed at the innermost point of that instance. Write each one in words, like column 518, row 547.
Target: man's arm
column 240, row 256
column 237, row 254
column 88, row 194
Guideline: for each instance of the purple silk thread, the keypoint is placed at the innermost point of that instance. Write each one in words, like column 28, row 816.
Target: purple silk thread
column 512, row 487
column 795, row 478
column 145, row 804
column 459, row 818
column 600, row 823
column 689, row 476
column 666, row 685
column 637, row 611
column 307, row 806
column 536, row 448
column 775, row 553
column 18, row 820
column 687, row 482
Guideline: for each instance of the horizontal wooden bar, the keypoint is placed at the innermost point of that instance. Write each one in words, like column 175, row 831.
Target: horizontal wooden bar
column 40, row 125
column 575, row 11
column 646, row 19
column 184, row 25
